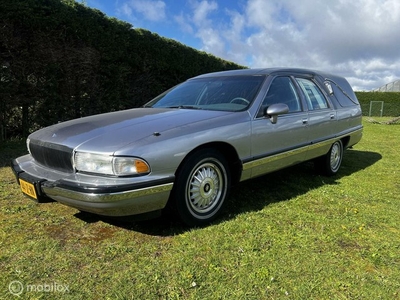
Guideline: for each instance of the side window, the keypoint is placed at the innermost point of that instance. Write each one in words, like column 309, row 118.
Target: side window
column 314, row 97
column 282, row 91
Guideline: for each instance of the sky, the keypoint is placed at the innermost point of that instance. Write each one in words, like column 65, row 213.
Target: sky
column 357, row 39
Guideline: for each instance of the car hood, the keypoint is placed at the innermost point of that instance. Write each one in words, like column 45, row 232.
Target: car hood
column 106, row 133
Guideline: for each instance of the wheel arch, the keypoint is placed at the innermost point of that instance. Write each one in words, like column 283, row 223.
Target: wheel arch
column 227, row 150
column 345, row 141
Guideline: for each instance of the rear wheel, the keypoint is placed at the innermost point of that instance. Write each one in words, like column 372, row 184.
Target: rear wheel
column 330, row 163
column 202, row 186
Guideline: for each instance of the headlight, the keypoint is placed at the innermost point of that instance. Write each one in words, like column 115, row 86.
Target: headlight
column 110, row 165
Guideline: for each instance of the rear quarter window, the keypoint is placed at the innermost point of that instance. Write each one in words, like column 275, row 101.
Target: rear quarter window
column 314, row 97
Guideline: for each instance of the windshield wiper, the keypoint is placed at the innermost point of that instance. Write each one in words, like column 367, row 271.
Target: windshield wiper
column 185, row 107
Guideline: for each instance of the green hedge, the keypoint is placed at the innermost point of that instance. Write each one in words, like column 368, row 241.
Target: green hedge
column 61, row 60
column 391, row 103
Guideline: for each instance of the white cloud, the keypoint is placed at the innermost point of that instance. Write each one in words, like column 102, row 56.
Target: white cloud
column 212, row 41
column 126, row 9
column 183, row 23
column 358, row 38
column 236, row 47
column 350, row 30
column 370, row 74
column 261, row 13
column 201, row 11
column 204, row 26
column 151, row 10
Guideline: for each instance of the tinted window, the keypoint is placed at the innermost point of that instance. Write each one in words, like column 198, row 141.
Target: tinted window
column 282, row 91
column 314, row 97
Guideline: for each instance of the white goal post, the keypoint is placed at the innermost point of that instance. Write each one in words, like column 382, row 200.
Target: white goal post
column 376, row 108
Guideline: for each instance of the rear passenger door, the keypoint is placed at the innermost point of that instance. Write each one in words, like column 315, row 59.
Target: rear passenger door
column 321, row 117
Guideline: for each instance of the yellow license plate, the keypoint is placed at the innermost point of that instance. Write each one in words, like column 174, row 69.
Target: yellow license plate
column 28, row 188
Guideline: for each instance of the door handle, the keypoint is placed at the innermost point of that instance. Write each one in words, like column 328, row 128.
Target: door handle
column 305, row 121
column 332, row 116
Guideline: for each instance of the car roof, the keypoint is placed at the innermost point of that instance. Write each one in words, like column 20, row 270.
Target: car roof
column 267, row 71
column 320, row 76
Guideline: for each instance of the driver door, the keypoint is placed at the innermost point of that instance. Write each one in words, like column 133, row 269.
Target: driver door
column 285, row 143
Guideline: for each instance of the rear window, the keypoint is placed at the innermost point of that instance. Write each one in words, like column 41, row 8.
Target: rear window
column 343, row 97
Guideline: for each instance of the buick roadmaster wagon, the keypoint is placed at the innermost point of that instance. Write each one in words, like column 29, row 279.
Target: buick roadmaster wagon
column 189, row 145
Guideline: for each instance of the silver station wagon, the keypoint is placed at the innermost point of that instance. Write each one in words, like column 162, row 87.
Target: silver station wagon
column 188, row 146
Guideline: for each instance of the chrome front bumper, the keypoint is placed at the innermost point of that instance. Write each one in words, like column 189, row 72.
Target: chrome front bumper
column 124, row 203
column 113, row 199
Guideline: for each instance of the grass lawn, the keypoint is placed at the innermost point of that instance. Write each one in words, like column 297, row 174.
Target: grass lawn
column 288, row 235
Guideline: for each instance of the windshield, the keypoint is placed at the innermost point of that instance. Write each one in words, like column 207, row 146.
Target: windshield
column 230, row 93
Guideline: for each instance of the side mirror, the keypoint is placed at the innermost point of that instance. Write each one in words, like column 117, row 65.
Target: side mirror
column 274, row 110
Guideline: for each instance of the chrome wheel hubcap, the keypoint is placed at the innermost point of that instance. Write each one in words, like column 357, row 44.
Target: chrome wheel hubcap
column 205, row 188
column 335, row 156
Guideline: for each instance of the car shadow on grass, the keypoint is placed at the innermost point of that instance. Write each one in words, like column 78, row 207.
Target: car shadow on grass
column 289, row 183
column 251, row 195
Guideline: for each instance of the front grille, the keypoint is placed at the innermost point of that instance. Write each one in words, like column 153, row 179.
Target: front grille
column 52, row 156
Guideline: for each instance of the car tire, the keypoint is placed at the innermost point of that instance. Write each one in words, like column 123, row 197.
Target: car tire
column 201, row 188
column 330, row 163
